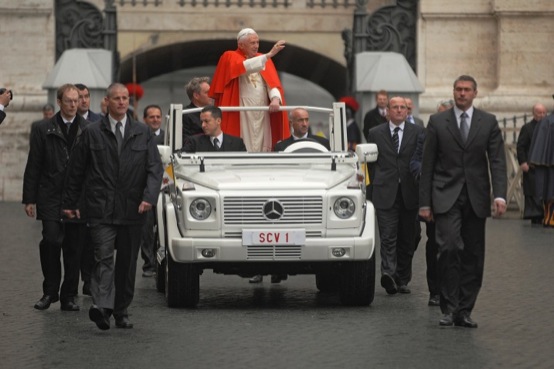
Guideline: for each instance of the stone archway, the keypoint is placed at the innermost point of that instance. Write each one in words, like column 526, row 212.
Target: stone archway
column 297, row 61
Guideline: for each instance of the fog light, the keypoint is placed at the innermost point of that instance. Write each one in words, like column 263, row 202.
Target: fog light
column 208, row 253
column 338, row 252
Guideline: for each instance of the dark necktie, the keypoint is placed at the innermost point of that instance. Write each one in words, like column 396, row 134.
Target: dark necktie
column 118, row 137
column 216, row 144
column 395, row 139
column 464, row 129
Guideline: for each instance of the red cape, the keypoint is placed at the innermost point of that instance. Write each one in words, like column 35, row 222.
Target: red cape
column 224, row 89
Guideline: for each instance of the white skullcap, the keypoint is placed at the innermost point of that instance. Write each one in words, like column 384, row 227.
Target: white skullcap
column 244, row 32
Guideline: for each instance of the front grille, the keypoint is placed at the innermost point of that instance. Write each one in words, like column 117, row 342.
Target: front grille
column 250, row 210
column 274, row 252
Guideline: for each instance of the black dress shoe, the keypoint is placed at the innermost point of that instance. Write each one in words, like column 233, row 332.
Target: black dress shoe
column 123, row 322
column 69, row 305
column 447, row 320
column 44, row 302
column 86, row 289
column 464, row 321
column 99, row 316
column 404, row 289
column 388, row 283
column 434, row 300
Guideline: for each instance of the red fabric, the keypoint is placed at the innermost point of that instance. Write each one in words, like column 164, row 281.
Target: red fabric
column 224, row 89
column 350, row 102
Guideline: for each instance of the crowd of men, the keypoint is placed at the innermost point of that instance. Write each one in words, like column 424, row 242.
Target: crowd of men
column 93, row 180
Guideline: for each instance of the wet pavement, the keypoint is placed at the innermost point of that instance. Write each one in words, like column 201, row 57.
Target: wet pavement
column 287, row 325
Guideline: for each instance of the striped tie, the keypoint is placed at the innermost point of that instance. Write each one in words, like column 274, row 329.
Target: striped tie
column 395, row 140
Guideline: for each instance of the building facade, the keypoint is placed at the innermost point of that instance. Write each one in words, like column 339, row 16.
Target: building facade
column 502, row 43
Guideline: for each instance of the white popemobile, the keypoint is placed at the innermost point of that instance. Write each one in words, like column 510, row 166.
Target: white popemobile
column 302, row 211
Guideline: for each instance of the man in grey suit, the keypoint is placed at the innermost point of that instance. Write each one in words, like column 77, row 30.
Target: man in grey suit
column 213, row 138
column 394, row 193
column 462, row 146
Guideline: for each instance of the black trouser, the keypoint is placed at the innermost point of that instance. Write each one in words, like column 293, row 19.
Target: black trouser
column 431, row 256
column 58, row 237
column 396, row 231
column 113, row 281
column 460, row 236
column 148, row 244
column 87, row 260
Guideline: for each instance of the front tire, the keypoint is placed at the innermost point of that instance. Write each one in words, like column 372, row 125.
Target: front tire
column 182, row 285
column 357, row 282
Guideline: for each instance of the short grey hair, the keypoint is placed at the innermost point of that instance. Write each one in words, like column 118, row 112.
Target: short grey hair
column 446, row 103
column 194, row 85
column 245, row 32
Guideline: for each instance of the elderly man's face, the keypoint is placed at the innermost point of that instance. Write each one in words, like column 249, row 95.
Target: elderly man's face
column 539, row 112
column 398, row 110
column 249, row 45
column 300, row 122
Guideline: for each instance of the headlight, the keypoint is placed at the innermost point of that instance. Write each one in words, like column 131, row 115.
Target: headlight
column 200, row 209
column 344, row 208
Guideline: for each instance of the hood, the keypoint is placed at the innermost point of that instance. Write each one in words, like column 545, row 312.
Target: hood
column 312, row 177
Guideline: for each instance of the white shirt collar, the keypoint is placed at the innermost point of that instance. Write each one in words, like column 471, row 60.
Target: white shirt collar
column 219, row 138
column 392, row 126
column 299, row 138
column 113, row 122
column 458, row 112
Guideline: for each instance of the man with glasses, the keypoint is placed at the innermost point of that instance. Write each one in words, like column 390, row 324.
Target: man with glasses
column 51, row 145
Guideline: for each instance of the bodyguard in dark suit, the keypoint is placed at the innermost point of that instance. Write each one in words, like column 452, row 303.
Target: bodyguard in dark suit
column 51, row 144
column 213, row 138
column 462, row 146
column 121, row 166
column 394, row 193
column 378, row 115
column 300, row 122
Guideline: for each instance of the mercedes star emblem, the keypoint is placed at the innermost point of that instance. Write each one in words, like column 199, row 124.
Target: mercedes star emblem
column 273, row 210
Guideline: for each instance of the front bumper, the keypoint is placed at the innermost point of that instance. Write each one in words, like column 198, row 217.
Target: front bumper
column 189, row 250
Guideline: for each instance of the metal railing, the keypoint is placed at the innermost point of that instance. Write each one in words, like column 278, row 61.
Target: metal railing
column 511, row 126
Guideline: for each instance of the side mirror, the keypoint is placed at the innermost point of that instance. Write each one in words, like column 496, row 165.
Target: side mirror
column 367, row 153
column 165, row 154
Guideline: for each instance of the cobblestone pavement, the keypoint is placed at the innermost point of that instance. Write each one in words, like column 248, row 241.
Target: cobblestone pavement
column 287, row 325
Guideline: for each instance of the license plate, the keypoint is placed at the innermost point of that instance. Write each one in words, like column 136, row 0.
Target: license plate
column 273, row 237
